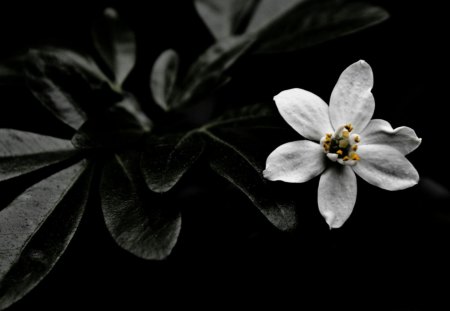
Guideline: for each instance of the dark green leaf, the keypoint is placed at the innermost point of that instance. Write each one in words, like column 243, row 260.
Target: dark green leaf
column 116, row 43
column 268, row 11
column 71, row 86
column 163, row 78
column 167, row 158
column 132, row 213
column 11, row 71
column 118, row 126
column 209, row 71
column 24, row 152
column 314, row 22
column 250, row 113
column 225, row 18
column 36, row 228
column 244, row 172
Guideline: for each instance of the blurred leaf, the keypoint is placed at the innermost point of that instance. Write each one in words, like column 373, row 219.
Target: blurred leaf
column 132, row 214
column 268, row 11
column 314, row 22
column 24, row 152
column 36, row 228
column 167, row 158
column 71, row 86
column 120, row 125
column 163, row 78
column 209, row 71
column 243, row 114
column 116, row 44
column 225, row 18
column 245, row 174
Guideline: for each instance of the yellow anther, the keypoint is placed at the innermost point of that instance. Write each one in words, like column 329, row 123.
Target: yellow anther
column 346, row 158
column 343, row 143
column 339, row 152
column 345, row 133
column 355, row 156
column 355, row 147
column 357, row 139
column 349, row 127
column 328, row 135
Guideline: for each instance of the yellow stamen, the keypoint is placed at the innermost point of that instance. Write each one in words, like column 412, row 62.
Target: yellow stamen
column 357, row 139
column 339, row 152
column 345, row 134
column 346, row 158
column 355, row 157
column 349, row 127
column 343, row 144
column 355, row 147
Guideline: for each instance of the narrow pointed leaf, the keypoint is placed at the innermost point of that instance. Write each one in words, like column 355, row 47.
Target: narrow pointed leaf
column 225, row 18
column 24, row 152
column 70, row 85
column 36, row 228
column 246, row 174
column 163, row 78
column 314, row 22
column 116, row 44
column 133, row 215
column 167, row 159
column 210, row 70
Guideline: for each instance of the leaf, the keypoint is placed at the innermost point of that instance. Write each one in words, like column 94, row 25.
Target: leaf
column 120, row 125
column 167, row 158
column 209, row 71
column 24, row 152
column 225, row 18
column 11, row 71
column 36, row 228
column 314, row 22
column 249, row 113
column 163, row 78
column 133, row 215
column 116, row 44
column 268, row 11
column 246, row 174
column 71, row 86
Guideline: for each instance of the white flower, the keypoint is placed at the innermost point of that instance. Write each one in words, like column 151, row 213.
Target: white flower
column 347, row 142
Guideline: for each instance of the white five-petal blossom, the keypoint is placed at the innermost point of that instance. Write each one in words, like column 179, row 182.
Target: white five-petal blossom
column 342, row 141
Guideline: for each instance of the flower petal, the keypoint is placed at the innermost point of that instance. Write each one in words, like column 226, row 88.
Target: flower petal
column 351, row 100
column 403, row 138
column 337, row 194
column 306, row 112
column 385, row 167
column 295, row 162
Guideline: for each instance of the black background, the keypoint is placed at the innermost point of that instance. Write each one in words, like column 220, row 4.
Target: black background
column 390, row 255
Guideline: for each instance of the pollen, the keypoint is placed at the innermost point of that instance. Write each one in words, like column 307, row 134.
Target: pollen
column 355, row 157
column 341, row 146
column 343, row 143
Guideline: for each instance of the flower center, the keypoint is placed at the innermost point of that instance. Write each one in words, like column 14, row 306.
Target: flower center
column 341, row 146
